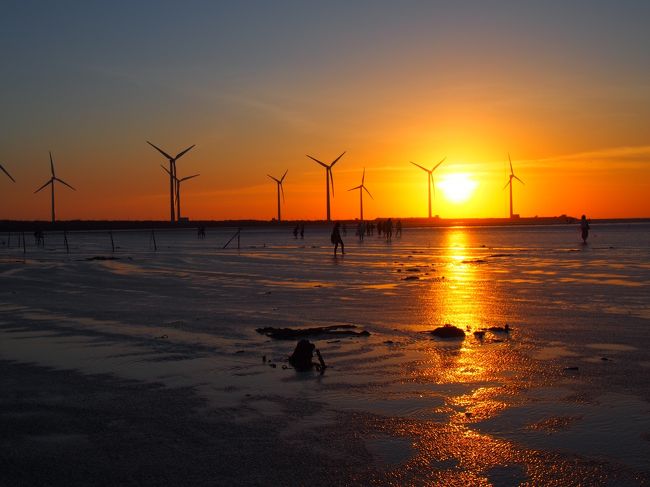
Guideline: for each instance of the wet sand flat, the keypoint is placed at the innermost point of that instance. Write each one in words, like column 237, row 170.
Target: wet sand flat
column 147, row 370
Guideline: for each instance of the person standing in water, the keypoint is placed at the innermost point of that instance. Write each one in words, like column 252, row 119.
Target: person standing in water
column 584, row 228
column 336, row 238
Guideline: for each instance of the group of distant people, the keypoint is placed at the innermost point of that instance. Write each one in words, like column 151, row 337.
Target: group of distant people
column 383, row 228
column 299, row 229
column 386, row 228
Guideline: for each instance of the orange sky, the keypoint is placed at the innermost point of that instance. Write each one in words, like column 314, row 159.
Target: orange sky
column 566, row 95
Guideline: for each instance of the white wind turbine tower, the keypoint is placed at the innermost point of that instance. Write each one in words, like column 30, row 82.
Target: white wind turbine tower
column 430, row 182
column 51, row 182
column 509, row 183
column 361, row 189
column 280, row 190
column 172, row 176
column 328, row 178
column 178, row 190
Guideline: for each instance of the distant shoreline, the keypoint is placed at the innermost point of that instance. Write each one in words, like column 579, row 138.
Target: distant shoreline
column 90, row 225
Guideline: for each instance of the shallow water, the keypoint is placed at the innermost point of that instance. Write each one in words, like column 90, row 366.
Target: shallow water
column 185, row 315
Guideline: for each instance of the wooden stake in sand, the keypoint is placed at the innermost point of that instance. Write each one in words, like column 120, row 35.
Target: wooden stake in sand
column 232, row 238
column 65, row 241
column 153, row 239
column 112, row 243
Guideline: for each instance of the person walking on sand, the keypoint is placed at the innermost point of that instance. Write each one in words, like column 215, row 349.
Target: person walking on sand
column 336, row 238
column 584, row 228
column 388, row 229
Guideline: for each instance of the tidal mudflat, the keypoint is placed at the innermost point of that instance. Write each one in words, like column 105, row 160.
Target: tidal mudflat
column 144, row 367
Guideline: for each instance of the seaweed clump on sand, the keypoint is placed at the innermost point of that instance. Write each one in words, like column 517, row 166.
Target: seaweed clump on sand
column 448, row 331
column 297, row 333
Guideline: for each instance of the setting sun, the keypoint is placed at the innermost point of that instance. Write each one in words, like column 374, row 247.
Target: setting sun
column 457, row 188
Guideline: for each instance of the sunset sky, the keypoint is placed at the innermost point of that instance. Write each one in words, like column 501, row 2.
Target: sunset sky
column 564, row 87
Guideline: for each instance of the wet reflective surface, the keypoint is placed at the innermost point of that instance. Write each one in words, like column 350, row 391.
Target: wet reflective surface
column 561, row 399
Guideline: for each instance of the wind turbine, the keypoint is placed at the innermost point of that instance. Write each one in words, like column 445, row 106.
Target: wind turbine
column 361, row 189
column 7, row 173
column 178, row 189
column 51, row 182
column 328, row 178
column 509, row 183
column 172, row 176
column 430, row 179
column 280, row 190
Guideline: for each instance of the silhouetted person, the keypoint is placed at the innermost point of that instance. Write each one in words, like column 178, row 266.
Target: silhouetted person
column 200, row 233
column 302, row 355
column 584, row 228
column 302, row 230
column 39, row 238
column 398, row 228
column 336, row 238
column 388, row 229
column 361, row 231
column 295, row 231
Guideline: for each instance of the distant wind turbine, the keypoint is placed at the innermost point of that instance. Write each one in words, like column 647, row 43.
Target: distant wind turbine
column 7, row 173
column 172, row 176
column 361, row 189
column 509, row 183
column 430, row 179
column 328, row 178
column 178, row 189
column 280, row 190
column 51, row 182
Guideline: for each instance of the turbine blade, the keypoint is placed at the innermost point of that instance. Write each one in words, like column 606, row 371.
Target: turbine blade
column 49, row 182
column 319, row 162
column 165, row 169
column 282, row 191
column 366, row 190
column 337, row 159
column 52, row 165
column 510, row 161
column 283, row 176
column 356, row 187
column 518, row 179
column 180, row 154
column 62, row 181
column 421, row 167
column 161, row 151
column 8, row 175
column 329, row 170
column 436, row 166
column 507, row 184
column 188, row 177
column 273, row 178
column 363, row 176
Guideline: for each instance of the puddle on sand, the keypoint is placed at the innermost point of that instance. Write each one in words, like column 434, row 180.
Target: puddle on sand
column 390, row 451
column 611, row 347
column 552, row 353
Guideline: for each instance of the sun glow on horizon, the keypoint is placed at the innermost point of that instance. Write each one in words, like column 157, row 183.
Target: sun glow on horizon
column 457, row 187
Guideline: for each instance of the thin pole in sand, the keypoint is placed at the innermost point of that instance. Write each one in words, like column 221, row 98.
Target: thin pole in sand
column 8, row 239
column 112, row 243
column 232, row 238
column 153, row 239
column 24, row 248
column 65, row 241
